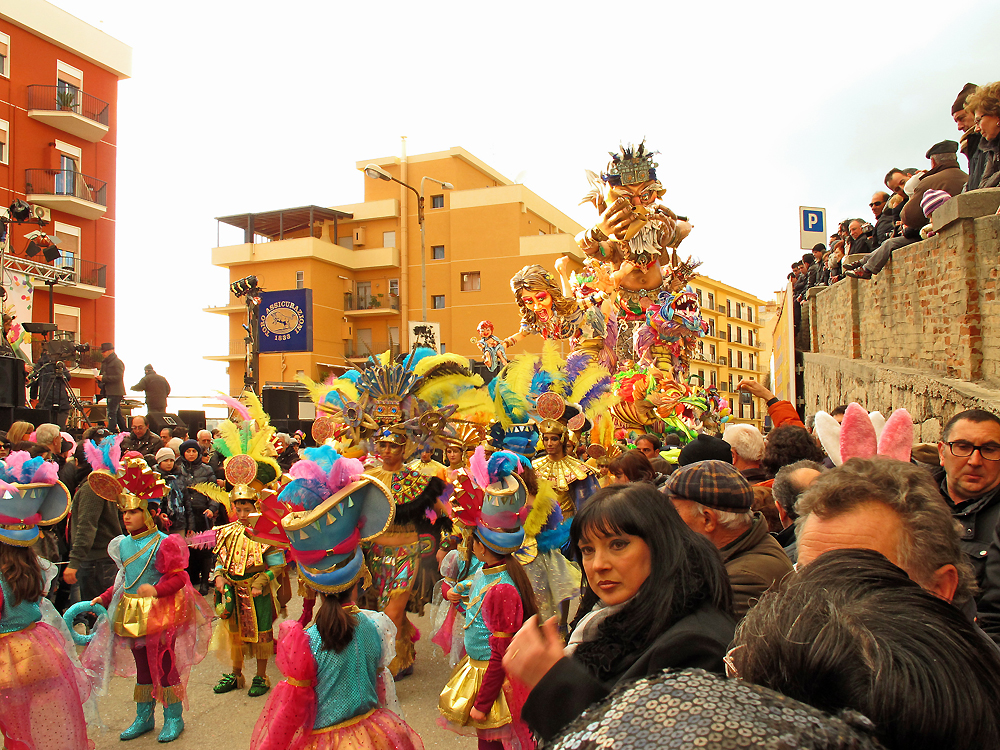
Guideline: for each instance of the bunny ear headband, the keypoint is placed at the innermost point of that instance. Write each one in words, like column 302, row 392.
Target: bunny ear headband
column 864, row 435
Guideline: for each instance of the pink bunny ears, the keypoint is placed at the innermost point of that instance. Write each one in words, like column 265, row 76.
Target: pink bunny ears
column 864, row 435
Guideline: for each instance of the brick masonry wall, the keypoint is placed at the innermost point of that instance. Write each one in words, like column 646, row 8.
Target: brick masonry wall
column 925, row 333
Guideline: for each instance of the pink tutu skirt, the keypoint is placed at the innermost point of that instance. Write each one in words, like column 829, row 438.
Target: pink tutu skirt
column 41, row 693
column 379, row 729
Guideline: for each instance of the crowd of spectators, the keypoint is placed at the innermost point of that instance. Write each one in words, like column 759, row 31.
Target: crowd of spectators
column 901, row 214
column 890, row 614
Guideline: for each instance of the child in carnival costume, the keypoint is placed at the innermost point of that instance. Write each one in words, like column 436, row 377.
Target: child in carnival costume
column 158, row 626
column 247, row 579
column 479, row 699
column 338, row 692
column 41, row 690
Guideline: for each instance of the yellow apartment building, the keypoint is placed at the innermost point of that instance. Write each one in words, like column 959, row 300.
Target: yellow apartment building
column 363, row 262
column 734, row 347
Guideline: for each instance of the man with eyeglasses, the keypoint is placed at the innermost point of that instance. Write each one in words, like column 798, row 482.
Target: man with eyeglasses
column 884, row 220
column 970, row 456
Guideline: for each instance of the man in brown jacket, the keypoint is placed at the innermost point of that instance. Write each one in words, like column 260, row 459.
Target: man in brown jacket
column 714, row 500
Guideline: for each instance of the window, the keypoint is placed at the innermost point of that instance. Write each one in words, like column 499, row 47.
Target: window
column 739, row 334
column 714, row 376
column 711, row 301
column 437, row 252
column 388, row 239
column 739, row 359
column 437, row 302
column 364, row 294
column 437, row 201
column 67, row 318
column 711, row 326
column 393, row 287
column 300, row 279
column 698, row 292
column 731, row 383
column 750, row 318
column 701, row 377
column 750, row 358
column 731, row 360
column 470, row 281
column 739, row 310
column 729, row 308
column 4, row 135
column 729, row 332
column 69, row 83
column 750, row 335
column 69, row 247
column 711, row 350
column 4, row 56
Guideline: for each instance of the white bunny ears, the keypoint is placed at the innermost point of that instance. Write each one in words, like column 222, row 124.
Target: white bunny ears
column 864, row 435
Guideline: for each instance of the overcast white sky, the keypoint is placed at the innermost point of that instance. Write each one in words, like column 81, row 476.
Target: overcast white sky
column 756, row 109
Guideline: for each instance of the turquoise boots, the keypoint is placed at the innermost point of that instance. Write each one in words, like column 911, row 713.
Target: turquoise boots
column 173, row 724
column 143, row 718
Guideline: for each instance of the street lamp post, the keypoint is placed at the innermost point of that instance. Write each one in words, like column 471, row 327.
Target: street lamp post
column 377, row 173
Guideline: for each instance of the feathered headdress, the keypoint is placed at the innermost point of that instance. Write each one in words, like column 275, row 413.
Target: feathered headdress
column 30, row 496
column 252, row 438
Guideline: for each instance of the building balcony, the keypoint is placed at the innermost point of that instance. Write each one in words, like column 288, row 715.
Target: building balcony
column 237, row 351
column 370, row 306
column 71, row 276
column 232, row 306
column 71, row 192
column 75, row 112
column 360, row 350
column 306, row 248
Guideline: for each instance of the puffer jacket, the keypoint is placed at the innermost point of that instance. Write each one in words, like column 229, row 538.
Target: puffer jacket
column 190, row 473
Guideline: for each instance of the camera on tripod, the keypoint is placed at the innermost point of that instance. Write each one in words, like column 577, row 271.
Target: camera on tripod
column 61, row 350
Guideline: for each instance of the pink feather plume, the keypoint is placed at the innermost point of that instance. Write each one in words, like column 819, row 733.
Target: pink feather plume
column 232, row 403
column 479, row 469
column 857, row 434
column 344, row 471
column 897, row 436
column 307, row 470
column 115, row 451
column 47, row 473
column 93, row 455
column 15, row 461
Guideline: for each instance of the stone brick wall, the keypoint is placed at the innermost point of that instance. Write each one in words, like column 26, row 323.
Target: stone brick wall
column 925, row 333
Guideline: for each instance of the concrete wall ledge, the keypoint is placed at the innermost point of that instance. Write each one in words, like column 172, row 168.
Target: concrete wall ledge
column 967, row 206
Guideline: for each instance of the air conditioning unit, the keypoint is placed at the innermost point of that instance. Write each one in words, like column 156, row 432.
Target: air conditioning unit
column 42, row 213
column 359, row 235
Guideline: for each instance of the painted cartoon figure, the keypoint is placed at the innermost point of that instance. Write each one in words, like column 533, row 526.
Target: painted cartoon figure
column 493, row 349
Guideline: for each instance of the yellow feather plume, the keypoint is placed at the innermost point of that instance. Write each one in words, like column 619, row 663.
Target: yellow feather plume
column 256, row 409
column 213, row 492
column 500, row 411
column 555, row 365
column 429, row 363
column 385, row 358
column 520, row 372
column 230, row 434
column 475, row 406
column 587, row 380
column 316, row 390
column 541, row 509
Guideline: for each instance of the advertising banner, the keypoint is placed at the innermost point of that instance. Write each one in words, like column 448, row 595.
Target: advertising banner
column 784, row 349
column 286, row 321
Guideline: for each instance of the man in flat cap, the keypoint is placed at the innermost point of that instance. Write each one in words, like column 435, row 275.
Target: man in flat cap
column 944, row 174
column 714, row 500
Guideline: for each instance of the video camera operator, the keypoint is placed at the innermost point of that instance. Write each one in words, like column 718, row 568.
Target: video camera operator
column 49, row 387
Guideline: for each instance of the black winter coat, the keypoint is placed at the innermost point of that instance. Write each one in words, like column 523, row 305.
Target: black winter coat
column 195, row 503
column 698, row 641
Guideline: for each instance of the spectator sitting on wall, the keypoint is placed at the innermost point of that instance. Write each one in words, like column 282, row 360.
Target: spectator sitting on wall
column 883, row 218
column 943, row 175
column 835, row 262
column 965, row 120
column 985, row 104
column 817, row 274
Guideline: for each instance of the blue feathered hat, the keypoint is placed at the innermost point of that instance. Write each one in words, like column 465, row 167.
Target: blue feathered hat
column 336, row 508
column 500, row 525
column 30, row 496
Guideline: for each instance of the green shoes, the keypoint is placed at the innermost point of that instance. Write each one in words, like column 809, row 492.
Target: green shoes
column 173, row 723
column 259, row 686
column 229, row 682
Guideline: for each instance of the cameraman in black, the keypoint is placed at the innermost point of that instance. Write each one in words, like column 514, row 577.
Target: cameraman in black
column 49, row 384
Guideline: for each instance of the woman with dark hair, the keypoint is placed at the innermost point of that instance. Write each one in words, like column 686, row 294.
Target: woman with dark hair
column 655, row 596
column 632, row 466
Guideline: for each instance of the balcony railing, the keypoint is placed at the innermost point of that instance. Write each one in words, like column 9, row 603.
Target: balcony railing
column 359, row 349
column 370, row 302
column 61, row 182
column 56, row 99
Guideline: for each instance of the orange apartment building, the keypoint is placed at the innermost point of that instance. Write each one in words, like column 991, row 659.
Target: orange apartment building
column 362, row 262
column 58, row 130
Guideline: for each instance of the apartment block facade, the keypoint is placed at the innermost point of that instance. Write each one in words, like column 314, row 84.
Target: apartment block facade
column 58, row 152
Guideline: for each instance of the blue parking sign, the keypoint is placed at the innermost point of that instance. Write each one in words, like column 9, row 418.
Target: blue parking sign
column 812, row 220
column 812, row 226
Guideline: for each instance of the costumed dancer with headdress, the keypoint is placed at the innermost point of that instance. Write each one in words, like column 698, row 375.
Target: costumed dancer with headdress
column 479, row 698
column 247, row 580
column 338, row 692
column 41, row 690
column 153, row 611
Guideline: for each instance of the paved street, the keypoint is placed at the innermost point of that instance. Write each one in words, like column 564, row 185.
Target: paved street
column 217, row 722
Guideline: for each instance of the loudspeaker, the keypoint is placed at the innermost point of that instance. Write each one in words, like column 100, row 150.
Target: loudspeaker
column 194, row 420
column 11, row 414
column 158, row 420
column 11, row 381
column 281, row 404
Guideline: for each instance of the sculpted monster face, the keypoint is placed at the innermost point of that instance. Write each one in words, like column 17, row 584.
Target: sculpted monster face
column 683, row 308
